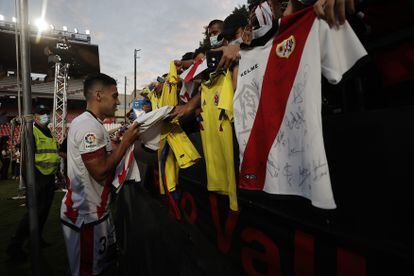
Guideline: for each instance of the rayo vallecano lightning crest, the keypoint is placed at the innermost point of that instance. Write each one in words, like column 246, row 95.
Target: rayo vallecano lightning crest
column 285, row 48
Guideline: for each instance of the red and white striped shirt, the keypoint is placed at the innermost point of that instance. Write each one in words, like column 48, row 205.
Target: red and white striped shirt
column 277, row 106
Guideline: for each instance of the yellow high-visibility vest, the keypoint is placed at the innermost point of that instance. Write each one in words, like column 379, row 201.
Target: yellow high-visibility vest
column 47, row 160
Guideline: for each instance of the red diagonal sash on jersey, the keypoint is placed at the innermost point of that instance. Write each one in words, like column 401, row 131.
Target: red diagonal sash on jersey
column 277, row 84
column 117, row 180
column 190, row 73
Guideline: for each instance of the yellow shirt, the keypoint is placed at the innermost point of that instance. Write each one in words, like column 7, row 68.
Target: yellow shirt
column 217, row 135
column 180, row 153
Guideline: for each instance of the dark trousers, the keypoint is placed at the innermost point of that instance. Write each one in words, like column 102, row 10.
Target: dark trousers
column 45, row 185
column 5, row 168
column 13, row 167
column 16, row 171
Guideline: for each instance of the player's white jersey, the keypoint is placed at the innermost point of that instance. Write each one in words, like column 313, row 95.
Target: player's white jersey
column 86, row 200
column 277, row 106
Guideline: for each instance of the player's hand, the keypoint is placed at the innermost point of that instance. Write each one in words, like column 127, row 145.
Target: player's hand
column 334, row 11
column 230, row 55
column 131, row 134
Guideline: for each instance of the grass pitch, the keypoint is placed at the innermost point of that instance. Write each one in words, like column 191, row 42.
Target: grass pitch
column 53, row 258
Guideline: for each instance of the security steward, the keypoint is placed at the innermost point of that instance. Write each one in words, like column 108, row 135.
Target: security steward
column 47, row 162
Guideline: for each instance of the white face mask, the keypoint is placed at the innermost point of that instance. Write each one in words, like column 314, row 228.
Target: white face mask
column 214, row 42
column 44, row 119
column 239, row 40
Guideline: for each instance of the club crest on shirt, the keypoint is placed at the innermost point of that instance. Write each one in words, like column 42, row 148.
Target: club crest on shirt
column 90, row 140
column 285, row 48
column 216, row 98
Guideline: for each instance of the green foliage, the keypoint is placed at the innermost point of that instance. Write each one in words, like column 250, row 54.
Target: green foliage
column 241, row 10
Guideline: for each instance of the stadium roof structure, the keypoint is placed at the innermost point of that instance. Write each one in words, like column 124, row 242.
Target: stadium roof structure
column 82, row 55
column 8, row 87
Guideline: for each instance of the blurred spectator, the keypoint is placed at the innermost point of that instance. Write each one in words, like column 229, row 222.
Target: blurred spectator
column 16, row 171
column 237, row 31
column 63, row 149
column 213, row 33
column 47, row 163
column 214, row 30
column 5, row 160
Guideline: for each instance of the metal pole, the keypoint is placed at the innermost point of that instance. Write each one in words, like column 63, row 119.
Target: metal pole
column 135, row 72
column 16, row 37
column 125, row 110
column 28, row 125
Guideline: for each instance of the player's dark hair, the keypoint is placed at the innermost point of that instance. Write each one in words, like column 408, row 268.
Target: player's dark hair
column 92, row 79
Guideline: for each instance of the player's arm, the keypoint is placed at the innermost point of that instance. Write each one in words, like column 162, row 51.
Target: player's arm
column 101, row 165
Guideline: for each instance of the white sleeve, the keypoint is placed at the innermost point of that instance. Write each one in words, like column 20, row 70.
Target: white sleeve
column 340, row 50
column 89, row 139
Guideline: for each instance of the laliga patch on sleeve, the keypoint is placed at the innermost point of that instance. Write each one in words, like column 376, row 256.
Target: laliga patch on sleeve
column 90, row 140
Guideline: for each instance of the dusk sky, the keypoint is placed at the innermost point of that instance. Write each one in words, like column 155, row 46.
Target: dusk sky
column 164, row 30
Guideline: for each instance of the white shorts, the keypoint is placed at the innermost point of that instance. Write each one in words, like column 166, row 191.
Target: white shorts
column 92, row 248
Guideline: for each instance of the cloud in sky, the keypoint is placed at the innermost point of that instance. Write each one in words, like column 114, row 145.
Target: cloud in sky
column 164, row 30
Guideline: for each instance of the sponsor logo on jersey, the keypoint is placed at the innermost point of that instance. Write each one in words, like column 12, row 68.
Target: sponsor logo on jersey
column 216, row 98
column 249, row 70
column 285, row 48
column 90, row 140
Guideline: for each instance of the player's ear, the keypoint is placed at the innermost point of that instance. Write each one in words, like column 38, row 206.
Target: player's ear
column 98, row 95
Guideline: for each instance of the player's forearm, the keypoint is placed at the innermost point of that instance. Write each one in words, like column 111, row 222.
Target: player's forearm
column 111, row 162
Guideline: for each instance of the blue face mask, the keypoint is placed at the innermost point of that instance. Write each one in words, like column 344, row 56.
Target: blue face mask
column 44, row 119
column 214, row 42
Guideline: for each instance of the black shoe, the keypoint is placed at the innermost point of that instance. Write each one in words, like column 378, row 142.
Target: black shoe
column 16, row 253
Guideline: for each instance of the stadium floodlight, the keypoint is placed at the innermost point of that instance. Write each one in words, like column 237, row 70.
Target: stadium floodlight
column 14, row 19
column 76, row 30
column 52, row 27
column 88, row 32
column 65, row 28
column 1, row 17
column 41, row 24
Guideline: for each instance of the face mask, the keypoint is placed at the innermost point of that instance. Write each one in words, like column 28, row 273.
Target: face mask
column 214, row 42
column 44, row 119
